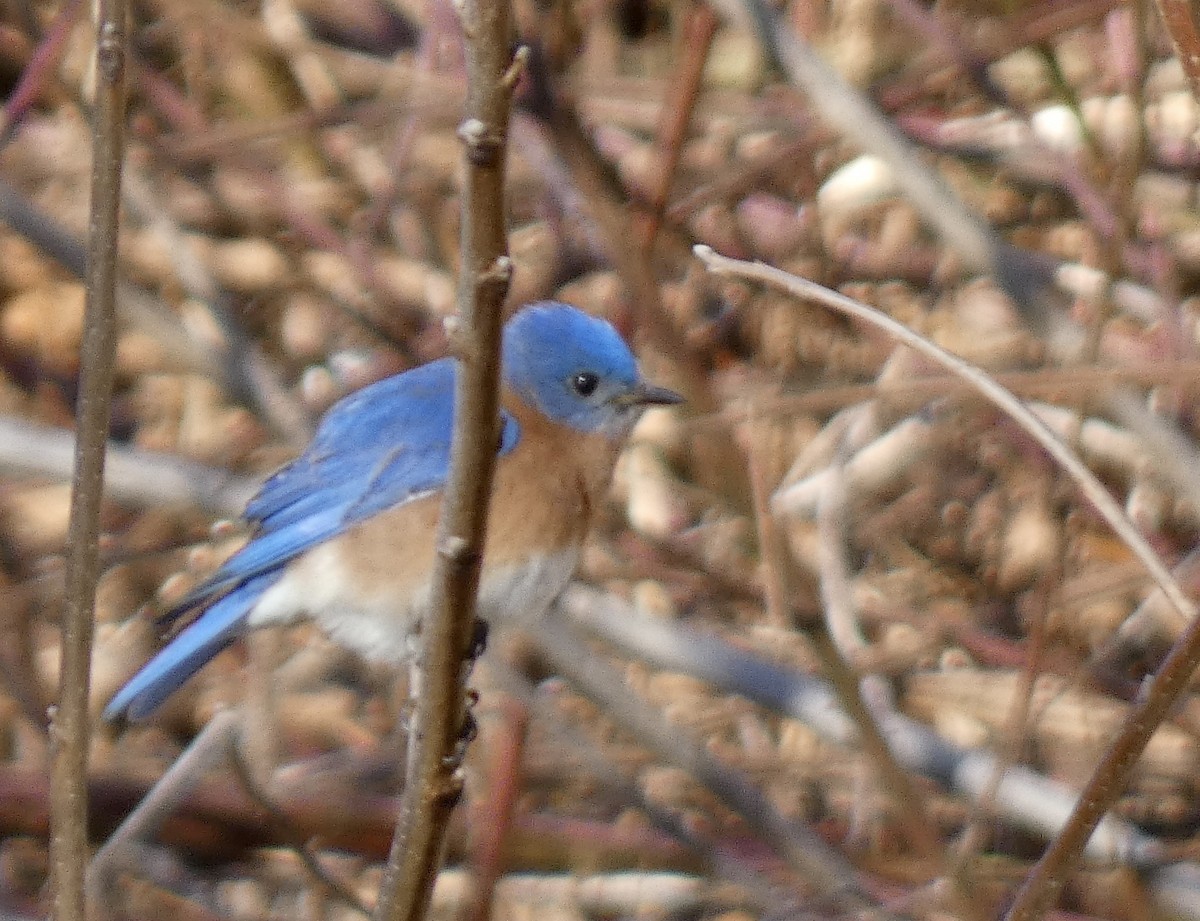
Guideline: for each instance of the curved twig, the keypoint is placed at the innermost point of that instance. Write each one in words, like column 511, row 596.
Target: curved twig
column 1092, row 489
column 1044, row 883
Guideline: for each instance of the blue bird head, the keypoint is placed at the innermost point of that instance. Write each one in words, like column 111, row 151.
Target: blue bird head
column 577, row 370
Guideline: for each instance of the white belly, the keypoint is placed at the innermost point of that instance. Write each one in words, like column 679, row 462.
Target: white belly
column 380, row 625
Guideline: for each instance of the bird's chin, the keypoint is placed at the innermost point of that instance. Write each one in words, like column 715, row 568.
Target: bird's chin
column 619, row 427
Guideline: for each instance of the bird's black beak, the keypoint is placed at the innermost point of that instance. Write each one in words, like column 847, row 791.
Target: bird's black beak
column 649, row 395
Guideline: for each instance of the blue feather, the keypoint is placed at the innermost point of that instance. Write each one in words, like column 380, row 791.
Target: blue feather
column 384, row 446
column 184, row 655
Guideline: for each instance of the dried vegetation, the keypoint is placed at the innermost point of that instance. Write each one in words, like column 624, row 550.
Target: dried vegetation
column 290, row 234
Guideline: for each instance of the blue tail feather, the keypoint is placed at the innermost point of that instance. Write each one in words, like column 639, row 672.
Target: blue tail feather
column 211, row 632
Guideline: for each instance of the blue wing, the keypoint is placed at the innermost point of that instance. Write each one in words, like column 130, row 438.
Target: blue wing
column 387, row 444
column 215, row 629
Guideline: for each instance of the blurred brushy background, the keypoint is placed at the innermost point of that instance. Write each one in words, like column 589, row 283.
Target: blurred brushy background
column 290, row 233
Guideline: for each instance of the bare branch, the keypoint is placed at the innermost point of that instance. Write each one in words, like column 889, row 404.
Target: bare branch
column 1087, row 482
column 432, row 781
column 69, row 731
column 831, row 876
column 1045, row 882
column 130, row 474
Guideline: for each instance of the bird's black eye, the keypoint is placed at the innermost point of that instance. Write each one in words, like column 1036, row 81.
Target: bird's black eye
column 585, row 383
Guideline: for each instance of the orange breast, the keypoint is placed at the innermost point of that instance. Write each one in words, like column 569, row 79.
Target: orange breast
column 543, row 496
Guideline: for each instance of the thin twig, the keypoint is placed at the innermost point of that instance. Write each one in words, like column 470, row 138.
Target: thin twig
column 137, row 307
column 1024, row 276
column 1092, row 489
column 1180, row 18
column 720, row 857
column 211, row 747
column 827, row 872
column 778, row 577
column 432, row 781
column 851, row 688
column 38, row 71
column 717, row 464
column 288, row 830
column 489, row 822
column 131, row 475
column 246, row 371
column 676, row 114
column 70, row 730
column 1022, row 798
column 1045, row 882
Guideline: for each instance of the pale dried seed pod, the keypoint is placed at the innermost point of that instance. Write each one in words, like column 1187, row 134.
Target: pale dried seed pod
column 1031, row 546
column 981, row 536
column 653, row 505
column 120, row 650
column 1106, row 445
column 878, row 467
column 244, row 898
column 249, row 266
column 304, row 327
column 715, row 225
column 416, row 283
column 820, row 452
column 174, row 589
column 537, row 255
column 652, row 598
column 325, row 717
column 857, row 186
column 1148, row 505
column 36, row 517
column 245, row 194
column 146, row 257
column 318, row 388
column 46, row 322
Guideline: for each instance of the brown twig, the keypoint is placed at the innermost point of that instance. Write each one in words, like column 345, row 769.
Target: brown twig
column 847, row 682
column 1087, row 482
column 490, row 821
column 246, row 370
column 289, row 831
column 1023, row 275
column 136, row 306
column 218, row 822
column 713, row 851
column 830, row 875
column 372, row 215
column 1026, row 799
column 676, row 114
column 1043, row 885
column 1180, row 18
column 70, row 731
column 38, row 71
column 432, row 782
column 718, row 466
column 307, row 223
column 779, row 576
column 211, row 747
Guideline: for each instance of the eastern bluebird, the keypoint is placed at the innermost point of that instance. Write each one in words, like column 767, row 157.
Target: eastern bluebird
column 345, row 532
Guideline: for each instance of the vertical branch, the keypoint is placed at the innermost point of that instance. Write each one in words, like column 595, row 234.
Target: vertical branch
column 69, row 729
column 432, row 781
column 676, row 116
